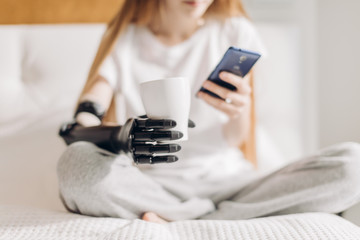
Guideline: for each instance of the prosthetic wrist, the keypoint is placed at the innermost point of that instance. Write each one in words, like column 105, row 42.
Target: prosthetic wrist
column 91, row 107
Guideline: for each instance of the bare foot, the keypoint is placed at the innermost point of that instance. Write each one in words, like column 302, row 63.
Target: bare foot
column 152, row 217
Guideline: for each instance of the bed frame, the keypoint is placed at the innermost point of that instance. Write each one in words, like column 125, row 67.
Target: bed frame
column 57, row 11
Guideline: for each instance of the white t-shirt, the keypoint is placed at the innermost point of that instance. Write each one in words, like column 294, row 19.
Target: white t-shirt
column 139, row 56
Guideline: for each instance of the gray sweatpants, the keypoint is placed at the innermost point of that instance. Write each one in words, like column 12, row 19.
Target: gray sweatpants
column 97, row 183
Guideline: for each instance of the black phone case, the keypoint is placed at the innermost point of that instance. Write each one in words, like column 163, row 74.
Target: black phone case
column 236, row 61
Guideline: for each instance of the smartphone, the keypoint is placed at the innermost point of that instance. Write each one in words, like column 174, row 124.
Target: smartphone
column 235, row 60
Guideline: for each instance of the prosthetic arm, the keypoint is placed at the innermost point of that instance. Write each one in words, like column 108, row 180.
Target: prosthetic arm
column 138, row 137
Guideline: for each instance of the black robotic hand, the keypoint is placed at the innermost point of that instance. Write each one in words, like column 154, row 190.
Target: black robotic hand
column 138, row 138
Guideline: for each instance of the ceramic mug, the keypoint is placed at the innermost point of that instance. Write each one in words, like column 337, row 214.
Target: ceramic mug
column 168, row 98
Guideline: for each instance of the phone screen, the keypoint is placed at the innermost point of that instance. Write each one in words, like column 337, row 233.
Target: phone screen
column 236, row 61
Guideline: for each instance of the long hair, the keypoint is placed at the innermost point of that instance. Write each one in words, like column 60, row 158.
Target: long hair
column 142, row 12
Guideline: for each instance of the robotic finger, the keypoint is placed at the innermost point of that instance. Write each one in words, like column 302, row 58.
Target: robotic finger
column 153, row 123
column 153, row 136
column 191, row 124
column 146, row 159
column 144, row 149
column 143, row 119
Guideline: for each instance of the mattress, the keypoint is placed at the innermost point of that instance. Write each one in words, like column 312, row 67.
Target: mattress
column 19, row 223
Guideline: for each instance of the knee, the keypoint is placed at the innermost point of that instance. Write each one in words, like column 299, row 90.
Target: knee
column 339, row 173
column 88, row 176
column 83, row 161
column 77, row 148
column 80, row 168
column 74, row 157
column 349, row 154
column 349, row 150
column 82, row 147
column 82, row 165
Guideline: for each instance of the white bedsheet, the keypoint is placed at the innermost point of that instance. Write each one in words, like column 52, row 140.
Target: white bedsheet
column 18, row 223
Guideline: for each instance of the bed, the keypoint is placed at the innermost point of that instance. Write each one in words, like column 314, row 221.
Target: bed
column 34, row 224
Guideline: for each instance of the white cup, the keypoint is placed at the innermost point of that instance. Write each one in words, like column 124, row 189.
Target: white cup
column 168, row 98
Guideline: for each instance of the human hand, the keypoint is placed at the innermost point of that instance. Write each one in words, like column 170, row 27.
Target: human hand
column 232, row 103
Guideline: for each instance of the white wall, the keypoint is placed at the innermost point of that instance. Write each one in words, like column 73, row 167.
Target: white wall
column 339, row 71
column 294, row 88
column 329, row 61
column 339, row 76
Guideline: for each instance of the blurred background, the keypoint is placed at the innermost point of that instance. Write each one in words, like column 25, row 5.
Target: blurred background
column 326, row 36
column 307, row 86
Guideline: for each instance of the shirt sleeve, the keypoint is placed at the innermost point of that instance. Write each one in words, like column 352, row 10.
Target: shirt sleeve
column 108, row 70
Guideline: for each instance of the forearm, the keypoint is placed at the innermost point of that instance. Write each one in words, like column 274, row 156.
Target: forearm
column 141, row 139
column 100, row 93
column 236, row 129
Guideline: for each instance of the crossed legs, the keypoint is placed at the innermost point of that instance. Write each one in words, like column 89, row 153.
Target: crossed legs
column 97, row 183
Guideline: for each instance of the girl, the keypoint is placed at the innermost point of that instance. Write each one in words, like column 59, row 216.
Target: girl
column 152, row 39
